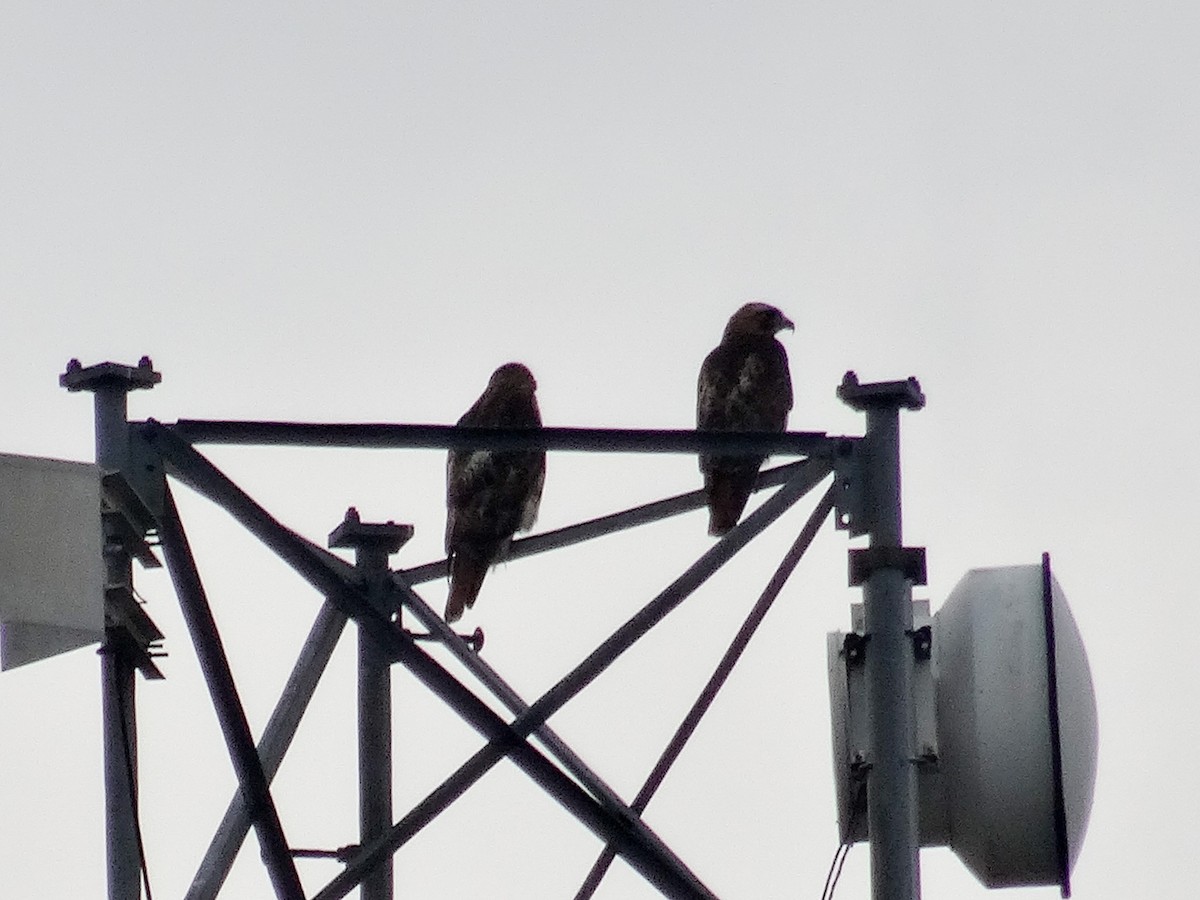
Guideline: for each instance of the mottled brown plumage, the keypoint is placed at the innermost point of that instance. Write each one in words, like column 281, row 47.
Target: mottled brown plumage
column 744, row 385
column 491, row 494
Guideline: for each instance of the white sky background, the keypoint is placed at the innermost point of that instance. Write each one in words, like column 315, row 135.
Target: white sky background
column 354, row 212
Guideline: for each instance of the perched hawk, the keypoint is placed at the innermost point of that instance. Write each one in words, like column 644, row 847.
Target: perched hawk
column 744, row 385
column 491, row 494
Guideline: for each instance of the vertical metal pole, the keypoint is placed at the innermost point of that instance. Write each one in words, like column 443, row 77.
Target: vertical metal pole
column 110, row 384
column 117, row 678
column 887, row 599
column 120, row 774
column 373, row 543
column 374, row 739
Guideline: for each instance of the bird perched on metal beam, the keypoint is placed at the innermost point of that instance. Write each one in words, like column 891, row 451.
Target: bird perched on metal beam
column 744, row 385
column 491, row 494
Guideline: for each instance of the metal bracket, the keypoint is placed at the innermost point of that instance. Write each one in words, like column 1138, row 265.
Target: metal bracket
column 78, row 377
column 474, row 640
column 129, row 629
column 928, row 757
column 384, row 538
column 341, row 854
column 856, row 509
column 127, row 519
column 866, row 561
column 145, row 473
column 905, row 394
column 922, row 640
column 854, row 648
column 850, row 500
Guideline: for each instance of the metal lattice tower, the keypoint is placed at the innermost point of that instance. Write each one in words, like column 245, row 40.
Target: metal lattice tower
column 137, row 457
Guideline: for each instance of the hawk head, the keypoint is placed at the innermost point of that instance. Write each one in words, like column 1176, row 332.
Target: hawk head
column 758, row 318
column 513, row 376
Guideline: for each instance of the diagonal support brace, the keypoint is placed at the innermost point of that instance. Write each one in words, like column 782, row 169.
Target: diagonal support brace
column 583, row 674
column 256, row 794
column 690, row 722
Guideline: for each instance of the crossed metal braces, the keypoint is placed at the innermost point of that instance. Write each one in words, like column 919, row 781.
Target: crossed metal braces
column 348, row 596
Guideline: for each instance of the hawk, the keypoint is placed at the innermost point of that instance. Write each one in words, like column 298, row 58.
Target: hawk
column 744, row 385
column 491, row 494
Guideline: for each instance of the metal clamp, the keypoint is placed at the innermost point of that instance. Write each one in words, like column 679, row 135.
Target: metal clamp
column 474, row 640
column 854, row 648
column 866, row 561
column 922, row 640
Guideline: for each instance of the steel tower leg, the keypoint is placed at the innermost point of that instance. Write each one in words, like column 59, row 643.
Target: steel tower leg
column 886, row 571
column 373, row 543
column 120, row 775
column 118, row 682
column 110, row 384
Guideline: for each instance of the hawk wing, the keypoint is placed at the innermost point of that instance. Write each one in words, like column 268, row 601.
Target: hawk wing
column 744, row 386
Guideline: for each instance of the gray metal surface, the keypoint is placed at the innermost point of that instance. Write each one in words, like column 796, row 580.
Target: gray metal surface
column 887, row 599
column 52, row 569
column 117, row 681
column 372, row 544
column 110, row 383
column 374, row 758
column 117, row 684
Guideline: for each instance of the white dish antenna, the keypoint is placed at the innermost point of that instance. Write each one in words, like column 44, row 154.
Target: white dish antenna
column 1006, row 728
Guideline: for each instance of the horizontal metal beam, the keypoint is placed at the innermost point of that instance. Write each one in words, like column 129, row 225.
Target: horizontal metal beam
column 608, row 440
column 610, row 524
column 351, row 599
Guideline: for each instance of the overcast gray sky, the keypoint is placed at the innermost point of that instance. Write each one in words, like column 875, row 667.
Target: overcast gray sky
column 354, row 212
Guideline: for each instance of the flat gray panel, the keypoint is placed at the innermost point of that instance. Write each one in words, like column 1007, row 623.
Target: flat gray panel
column 51, row 563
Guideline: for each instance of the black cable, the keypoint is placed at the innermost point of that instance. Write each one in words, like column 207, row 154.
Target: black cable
column 838, row 854
column 843, row 850
column 837, row 875
column 133, row 802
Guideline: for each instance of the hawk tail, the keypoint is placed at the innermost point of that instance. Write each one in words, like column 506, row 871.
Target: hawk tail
column 466, row 578
column 728, row 492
